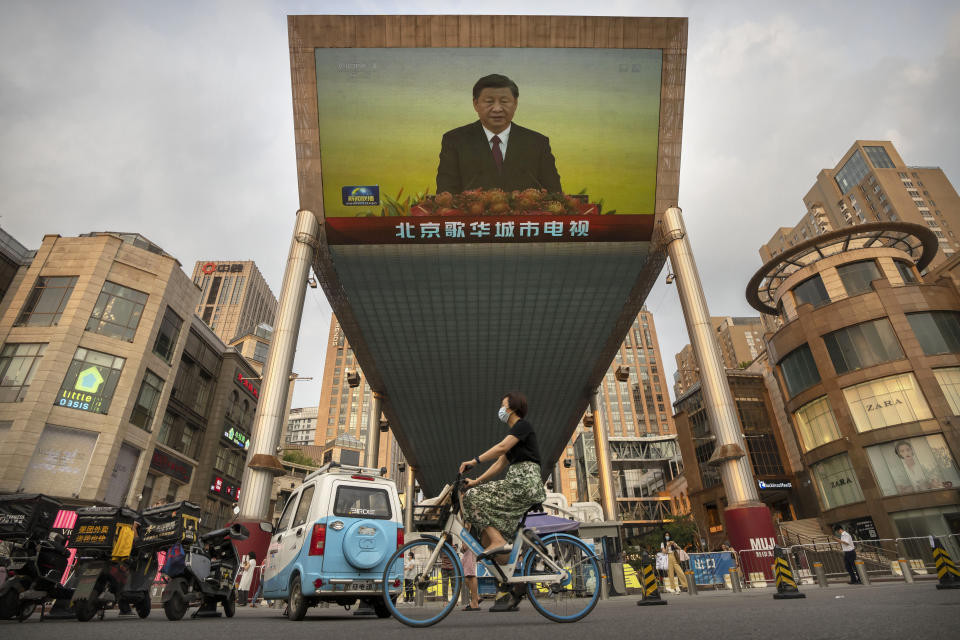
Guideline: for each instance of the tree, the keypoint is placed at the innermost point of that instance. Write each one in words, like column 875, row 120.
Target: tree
column 297, row 457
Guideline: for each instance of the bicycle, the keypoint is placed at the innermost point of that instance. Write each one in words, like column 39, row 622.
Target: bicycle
column 560, row 572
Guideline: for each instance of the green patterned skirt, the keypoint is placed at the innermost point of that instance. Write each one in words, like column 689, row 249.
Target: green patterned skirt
column 502, row 503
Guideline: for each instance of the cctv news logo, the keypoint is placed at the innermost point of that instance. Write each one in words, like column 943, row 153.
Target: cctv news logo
column 362, row 196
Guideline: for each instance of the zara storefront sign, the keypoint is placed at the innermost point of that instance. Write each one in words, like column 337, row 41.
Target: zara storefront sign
column 763, row 484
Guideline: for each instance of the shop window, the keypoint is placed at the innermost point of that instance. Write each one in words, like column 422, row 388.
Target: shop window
column 906, row 271
column 18, row 364
column 117, row 312
column 836, row 482
column 936, row 331
column 46, row 301
column 811, row 291
column 167, row 335
column 816, row 423
column 59, row 462
column 146, row 405
column 857, row 276
column 90, row 382
column 862, row 345
column 912, row 465
column 886, row 402
column 799, row 370
column 949, row 380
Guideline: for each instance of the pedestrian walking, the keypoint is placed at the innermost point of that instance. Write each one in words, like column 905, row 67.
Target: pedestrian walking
column 256, row 596
column 409, row 575
column 674, row 568
column 849, row 553
column 446, row 575
column 469, row 560
column 246, row 578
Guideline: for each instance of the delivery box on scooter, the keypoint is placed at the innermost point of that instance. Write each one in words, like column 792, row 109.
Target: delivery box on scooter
column 106, row 528
column 26, row 516
column 169, row 524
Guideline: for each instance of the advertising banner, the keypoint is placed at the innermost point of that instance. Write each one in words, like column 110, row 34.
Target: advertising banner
column 456, row 136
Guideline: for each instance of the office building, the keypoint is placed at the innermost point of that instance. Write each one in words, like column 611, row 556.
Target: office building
column 740, row 340
column 234, row 299
column 91, row 340
column 634, row 408
column 111, row 389
column 343, row 414
column 872, row 183
column 780, row 485
column 13, row 257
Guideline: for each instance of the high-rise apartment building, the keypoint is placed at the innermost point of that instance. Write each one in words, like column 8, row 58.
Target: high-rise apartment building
column 634, row 406
column 344, row 410
column 301, row 426
column 872, row 183
column 235, row 299
column 740, row 340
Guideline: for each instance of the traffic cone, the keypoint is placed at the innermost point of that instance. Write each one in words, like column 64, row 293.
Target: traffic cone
column 651, row 591
column 946, row 569
column 786, row 585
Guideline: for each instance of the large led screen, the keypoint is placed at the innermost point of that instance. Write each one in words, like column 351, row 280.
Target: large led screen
column 397, row 126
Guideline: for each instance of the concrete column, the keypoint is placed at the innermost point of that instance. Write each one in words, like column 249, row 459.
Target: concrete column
column 263, row 464
column 409, row 499
column 371, row 454
column 608, row 492
column 729, row 454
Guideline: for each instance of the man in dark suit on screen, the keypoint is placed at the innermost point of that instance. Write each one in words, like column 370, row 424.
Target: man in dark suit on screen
column 493, row 152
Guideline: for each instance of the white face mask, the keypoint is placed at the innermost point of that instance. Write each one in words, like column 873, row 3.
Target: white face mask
column 503, row 414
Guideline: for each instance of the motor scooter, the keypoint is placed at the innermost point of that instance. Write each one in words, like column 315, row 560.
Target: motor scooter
column 206, row 577
column 38, row 557
column 110, row 568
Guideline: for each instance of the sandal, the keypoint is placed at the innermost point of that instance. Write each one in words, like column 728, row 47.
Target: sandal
column 471, row 608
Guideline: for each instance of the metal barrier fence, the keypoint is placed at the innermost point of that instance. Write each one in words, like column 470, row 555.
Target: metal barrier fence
column 880, row 558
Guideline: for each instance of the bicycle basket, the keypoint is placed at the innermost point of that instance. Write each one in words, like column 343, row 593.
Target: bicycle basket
column 431, row 514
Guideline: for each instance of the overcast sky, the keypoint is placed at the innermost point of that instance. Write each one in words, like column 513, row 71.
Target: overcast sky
column 174, row 120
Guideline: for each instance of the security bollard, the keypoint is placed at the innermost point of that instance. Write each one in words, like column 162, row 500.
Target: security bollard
column 691, row 583
column 821, row 574
column 947, row 573
column 862, row 572
column 651, row 590
column 604, row 588
column 735, row 580
column 905, row 570
column 786, row 585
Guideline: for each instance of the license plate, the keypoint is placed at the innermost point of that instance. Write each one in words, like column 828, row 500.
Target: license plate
column 366, row 531
column 362, row 585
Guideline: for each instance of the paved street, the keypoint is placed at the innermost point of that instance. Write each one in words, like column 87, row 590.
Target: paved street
column 847, row 612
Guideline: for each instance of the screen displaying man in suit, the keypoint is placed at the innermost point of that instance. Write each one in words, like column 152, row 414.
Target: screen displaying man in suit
column 494, row 152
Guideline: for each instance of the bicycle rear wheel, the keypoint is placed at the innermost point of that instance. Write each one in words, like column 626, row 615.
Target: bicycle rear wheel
column 572, row 598
column 418, row 596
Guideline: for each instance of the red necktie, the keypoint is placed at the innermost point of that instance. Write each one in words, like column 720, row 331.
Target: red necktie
column 497, row 154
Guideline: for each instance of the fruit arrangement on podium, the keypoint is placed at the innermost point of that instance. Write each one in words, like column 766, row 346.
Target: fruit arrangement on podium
column 494, row 202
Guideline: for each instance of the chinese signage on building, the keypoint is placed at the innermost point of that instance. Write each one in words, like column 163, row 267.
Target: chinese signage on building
column 171, row 466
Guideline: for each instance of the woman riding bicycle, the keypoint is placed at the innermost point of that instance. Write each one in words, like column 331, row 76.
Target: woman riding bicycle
column 497, row 507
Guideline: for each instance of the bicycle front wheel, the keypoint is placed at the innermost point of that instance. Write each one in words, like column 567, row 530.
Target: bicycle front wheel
column 419, row 595
column 573, row 597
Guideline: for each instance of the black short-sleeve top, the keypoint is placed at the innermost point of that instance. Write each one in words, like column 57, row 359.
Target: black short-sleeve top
column 526, row 450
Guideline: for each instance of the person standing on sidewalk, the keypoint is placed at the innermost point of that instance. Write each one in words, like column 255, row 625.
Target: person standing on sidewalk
column 675, row 569
column 849, row 553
